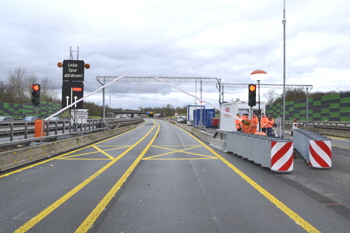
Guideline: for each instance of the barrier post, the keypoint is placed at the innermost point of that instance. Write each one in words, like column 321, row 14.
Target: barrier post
column 39, row 128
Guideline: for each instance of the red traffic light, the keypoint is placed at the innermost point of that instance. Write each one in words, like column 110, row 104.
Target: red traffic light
column 36, row 87
column 252, row 87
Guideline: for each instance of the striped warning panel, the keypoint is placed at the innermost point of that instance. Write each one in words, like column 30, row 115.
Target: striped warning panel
column 282, row 156
column 320, row 154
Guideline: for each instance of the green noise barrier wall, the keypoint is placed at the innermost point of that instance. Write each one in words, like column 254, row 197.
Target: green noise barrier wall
column 335, row 107
column 20, row 111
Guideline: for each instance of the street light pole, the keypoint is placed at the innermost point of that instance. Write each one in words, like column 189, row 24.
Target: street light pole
column 258, row 75
column 259, row 117
column 284, row 21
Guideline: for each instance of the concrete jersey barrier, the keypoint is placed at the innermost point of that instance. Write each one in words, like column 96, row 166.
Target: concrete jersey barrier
column 314, row 148
column 274, row 153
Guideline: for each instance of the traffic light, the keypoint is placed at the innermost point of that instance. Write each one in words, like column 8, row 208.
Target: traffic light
column 252, row 95
column 36, row 94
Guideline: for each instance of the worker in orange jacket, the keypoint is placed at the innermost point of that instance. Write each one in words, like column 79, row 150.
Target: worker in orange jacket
column 264, row 121
column 270, row 123
column 254, row 123
column 238, row 123
column 246, row 127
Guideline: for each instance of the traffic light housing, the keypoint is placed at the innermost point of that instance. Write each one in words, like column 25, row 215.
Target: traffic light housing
column 36, row 94
column 252, row 95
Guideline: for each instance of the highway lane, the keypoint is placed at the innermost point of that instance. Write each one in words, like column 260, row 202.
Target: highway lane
column 177, row 184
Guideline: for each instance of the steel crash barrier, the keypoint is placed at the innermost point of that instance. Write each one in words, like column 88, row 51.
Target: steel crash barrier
column 314, row 148
column 274, row 153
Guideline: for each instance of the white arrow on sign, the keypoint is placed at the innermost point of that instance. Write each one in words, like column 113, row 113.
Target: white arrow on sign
column 75, row 98
column 67, row 98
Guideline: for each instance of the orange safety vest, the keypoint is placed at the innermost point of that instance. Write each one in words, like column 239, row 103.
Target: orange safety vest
column 270, row 123
column 264, row 121
column 254, row 124
column 246, row 128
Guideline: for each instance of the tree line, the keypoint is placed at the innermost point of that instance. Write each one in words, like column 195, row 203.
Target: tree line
column 17, row 89
column 293, row 94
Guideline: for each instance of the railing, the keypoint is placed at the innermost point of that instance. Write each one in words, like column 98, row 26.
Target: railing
column 17, row 130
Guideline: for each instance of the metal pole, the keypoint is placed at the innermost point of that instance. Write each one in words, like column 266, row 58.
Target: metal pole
column 284, row 68
column 103, row 102
column 259, row 107
column 201, row 111
column 307, row 106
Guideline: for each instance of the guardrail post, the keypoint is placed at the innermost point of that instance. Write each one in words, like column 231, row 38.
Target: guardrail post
column 11, row 131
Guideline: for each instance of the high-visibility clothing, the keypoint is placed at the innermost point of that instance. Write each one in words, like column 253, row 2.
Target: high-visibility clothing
column 264, row 121
column 246, row 128
column 254, row 123
column 270, row 123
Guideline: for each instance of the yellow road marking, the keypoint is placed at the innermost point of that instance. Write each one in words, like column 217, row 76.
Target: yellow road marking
column 338, row 138
column 180, row 158
column 183, row 150
column 65, row 154
column 103, row 152
column 85, row 226
column 33, row 221
column 290, row 213
column 346, row 147
column 93, row 152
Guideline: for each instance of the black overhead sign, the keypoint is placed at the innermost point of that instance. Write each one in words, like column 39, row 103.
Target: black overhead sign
column 73, row 70
column 71, row 92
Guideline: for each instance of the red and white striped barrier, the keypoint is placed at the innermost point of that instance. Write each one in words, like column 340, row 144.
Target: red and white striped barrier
column 282, row 156
column 320, row 154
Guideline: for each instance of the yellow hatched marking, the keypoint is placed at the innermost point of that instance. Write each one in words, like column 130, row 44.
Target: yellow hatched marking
column 103, row 152
column 68, row 153
column 90, row 220
column 98, row 150
column 83, row 159
column 172, row 151
column 33, row 221
column 180, row 158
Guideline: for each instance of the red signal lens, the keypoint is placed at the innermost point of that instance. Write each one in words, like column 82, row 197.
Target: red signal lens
column 77, row 89
column 252, row 88
column 36, row 87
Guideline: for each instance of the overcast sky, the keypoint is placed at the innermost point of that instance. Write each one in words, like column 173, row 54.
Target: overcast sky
column 225, row 39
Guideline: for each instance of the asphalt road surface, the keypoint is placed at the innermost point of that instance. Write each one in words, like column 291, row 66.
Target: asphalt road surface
column 159, row 178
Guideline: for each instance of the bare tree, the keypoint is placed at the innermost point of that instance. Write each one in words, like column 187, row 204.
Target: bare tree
column 3, row 91
column 16, row 87
column 47, row 91
column 270, row 96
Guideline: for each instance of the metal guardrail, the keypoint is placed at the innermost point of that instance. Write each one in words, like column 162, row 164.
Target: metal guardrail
column 25, row 129
column 313, row 147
